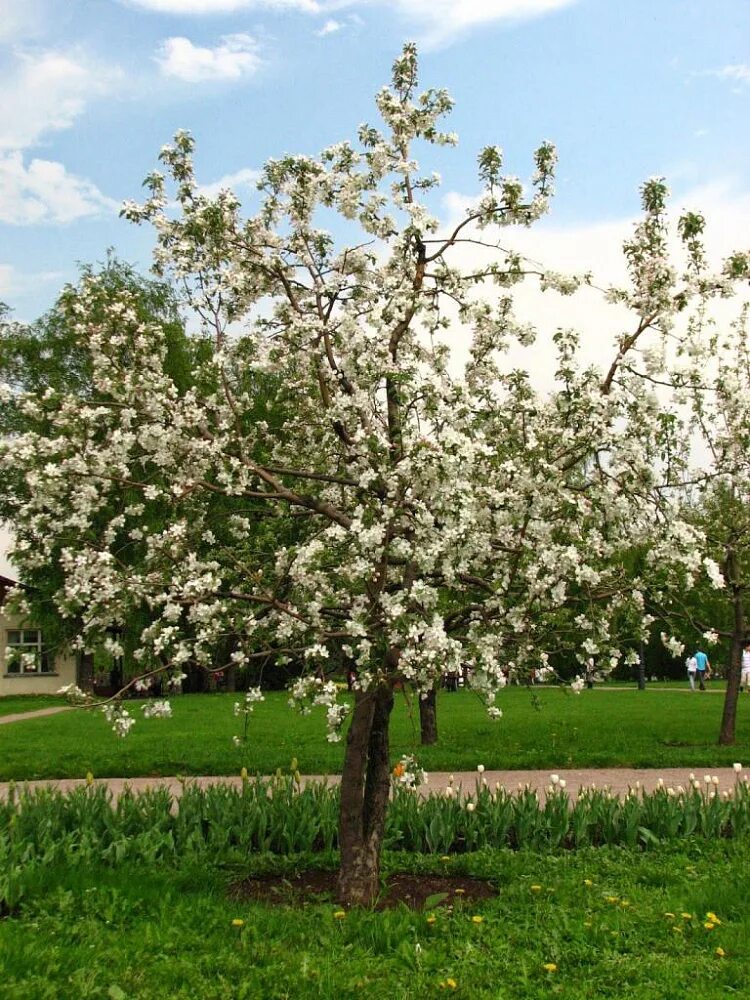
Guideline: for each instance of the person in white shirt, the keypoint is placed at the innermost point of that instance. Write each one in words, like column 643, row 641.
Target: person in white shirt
column 745, row 675
column 692, row 666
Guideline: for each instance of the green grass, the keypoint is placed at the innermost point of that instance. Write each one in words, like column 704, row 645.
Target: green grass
column 127, row 934
column 13, row 703
column 549, row 729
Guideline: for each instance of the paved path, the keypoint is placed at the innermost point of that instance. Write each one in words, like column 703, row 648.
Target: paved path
column 38, row 713
column 618, row 780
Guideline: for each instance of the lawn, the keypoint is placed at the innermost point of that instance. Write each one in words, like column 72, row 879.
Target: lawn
column 546, row 728
column 605, row 923
column 13, row 703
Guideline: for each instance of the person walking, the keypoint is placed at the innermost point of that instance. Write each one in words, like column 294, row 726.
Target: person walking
column 745, row 675
column 692, row 668
column 703, row 668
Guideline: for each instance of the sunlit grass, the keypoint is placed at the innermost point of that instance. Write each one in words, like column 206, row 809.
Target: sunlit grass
column 546, row 728
column 602, row 923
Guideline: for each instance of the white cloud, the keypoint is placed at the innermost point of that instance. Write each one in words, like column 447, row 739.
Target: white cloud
column 44, row 192
column 200, row 7
column 15, row 282
column 329, row 28
column 246, row 178
column 21, row 19
column 596, row 247
column 46, row 92
column 235, row 57
column 443, row 20
column 440, row 21
column 739, row 73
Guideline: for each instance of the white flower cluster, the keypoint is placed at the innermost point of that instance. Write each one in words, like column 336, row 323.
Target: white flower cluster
column 246, row 706
column 307, row 692
column 74, row 694
column 119, row 717
column 408, row 773
column 714, row 573
column 672, row 644
column 160, row 709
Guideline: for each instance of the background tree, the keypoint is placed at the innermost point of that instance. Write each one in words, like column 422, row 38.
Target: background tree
column 711, row 379
column 47, row 357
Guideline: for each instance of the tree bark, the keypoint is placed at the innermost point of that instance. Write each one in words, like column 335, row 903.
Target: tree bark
column 428, row 719
column 729, row 715
column 231, row 677
column 642, row 668
column 365, row 787
column 85, row 672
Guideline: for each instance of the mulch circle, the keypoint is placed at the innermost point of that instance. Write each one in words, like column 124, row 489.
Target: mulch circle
column 317, row 886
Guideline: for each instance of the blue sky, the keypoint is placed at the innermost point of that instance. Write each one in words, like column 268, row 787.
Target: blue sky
column 91, row 89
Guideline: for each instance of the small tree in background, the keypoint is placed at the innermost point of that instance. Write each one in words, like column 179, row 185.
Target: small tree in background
column 49, row 359
column 451, row 512
column 711, row 380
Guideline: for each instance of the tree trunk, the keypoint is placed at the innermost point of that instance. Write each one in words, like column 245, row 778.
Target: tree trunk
column 85, row 672
column 729, row 716
column 231, row 677
column 365, row 787
column 428, row 718
column 642, row 668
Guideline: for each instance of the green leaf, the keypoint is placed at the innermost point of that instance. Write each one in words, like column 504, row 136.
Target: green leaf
column 435, row 900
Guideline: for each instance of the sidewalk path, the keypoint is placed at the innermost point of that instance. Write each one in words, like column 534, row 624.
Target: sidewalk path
column 618, row 780
column 37, row 713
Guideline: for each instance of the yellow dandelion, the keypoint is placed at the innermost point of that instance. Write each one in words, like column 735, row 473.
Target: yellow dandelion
column 587, row 881
column 549, row 967
column 587, row 923
column 445, row 857
column 677, row 928
column 712, row 917
column 536, row 888
column 476, row 919
column 451, row 984
column 459, row 892
column 686, row 916
column 709, row 926
column 612, row 899
column 720, row 952
column 238, row 923
column 432, row 919
column 625, row 902
column 339, row 914
column 670, row 916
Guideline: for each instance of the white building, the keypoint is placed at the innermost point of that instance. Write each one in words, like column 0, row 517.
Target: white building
column 26, row 666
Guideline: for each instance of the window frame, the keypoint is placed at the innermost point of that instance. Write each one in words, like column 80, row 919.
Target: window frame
column 22, row 645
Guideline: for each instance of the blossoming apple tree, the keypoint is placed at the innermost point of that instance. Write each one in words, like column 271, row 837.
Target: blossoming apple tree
column 451, row 512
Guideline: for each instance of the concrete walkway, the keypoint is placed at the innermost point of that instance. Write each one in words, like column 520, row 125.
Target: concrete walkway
column 38, row 713
column 617, row 780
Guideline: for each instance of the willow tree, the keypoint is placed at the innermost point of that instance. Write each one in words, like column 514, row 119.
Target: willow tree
column 451, row 510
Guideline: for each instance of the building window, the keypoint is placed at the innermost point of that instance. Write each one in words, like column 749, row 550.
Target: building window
column 24, row 653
